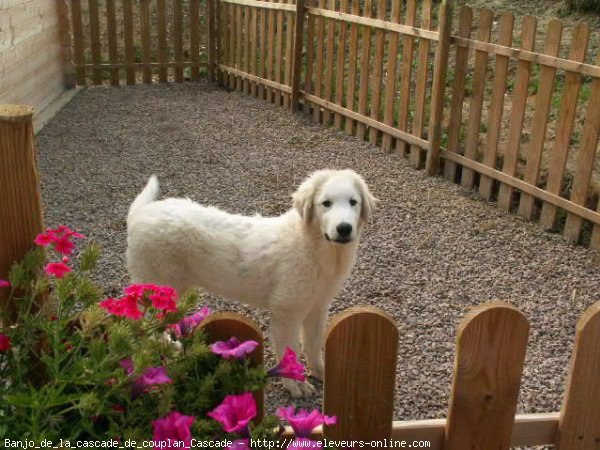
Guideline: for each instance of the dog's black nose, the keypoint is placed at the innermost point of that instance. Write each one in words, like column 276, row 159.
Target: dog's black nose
column 344, row 229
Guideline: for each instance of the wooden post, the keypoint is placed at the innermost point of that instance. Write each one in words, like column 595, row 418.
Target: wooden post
column 66, row 45
column 442, row 53
column 222, row 326
column 488, row 366
column 297, row 63
column 212, row 38
column 579, row 422
column 21, row 218
column 360, row 373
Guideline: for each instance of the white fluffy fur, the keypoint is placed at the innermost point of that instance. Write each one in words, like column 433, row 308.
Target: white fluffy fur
column 290, row 265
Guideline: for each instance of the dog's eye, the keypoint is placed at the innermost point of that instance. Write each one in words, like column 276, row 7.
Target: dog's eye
column 326, row 203
column 353, row 202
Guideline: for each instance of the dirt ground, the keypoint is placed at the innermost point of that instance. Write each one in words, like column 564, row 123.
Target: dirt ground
column 430, row 254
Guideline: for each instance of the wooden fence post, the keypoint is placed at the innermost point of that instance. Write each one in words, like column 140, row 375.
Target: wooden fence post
column 21, row 218
column 66, row 44
column 490, row 354
column 360, row 372
column 222, row 326
column 579, row 423
column 212, row 37
column 297, row 63
column 438, row 91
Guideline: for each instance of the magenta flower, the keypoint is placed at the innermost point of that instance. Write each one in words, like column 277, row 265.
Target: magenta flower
column 151, row 376
column 188, row 324
column 141, row 295
column 289, row 367
column 59, row 238
column 57, row 270
column 304, row 422
column 4, row 342
column 125, row 307
column 4, row 284
column 173, row 431
column 233, row 348
column 235, row 412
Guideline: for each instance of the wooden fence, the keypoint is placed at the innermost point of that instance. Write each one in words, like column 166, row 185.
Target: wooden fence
column 140, row 40
column 360, row 375
column 432, row 94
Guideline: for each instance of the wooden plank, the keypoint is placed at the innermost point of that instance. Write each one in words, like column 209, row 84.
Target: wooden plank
column 66, row 45
column 491, row 345
column 360, row 370
column 195, row 35
column 271, row 54
column 540, row 119
column 78, row 43
column 352, row 64
column 263, row 51
column 585, row 161
column 44, row 39
column 331, row 35
column 566, row 117
column 111, row 28
column 310, row 55
column 517, row 115
column 239, row 41
column 341, row 65
column 246, row 44
column 232, row 47
column 269, row 83
column 94, row 18
column 289, row 41
column 253, row 49
column 279, row 52
column 143, row 65
column 145, row 35
column 178, row 38
column 365, row 70
column 262, row 4
column 438, row 88
column 523, row 186
column 408, row 50
column 378, row 72
column 458, row 91
column 475, row 108
column 320, row 24
column 161, row 19
column 211, row 38
column 128, row 37
column 579, row 423
column 390, row 83
column 496, row 108
column 422, row 71
column 221, row 326
column 297, row 59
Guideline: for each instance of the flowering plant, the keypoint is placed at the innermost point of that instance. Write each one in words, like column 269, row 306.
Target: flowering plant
column 79, row 365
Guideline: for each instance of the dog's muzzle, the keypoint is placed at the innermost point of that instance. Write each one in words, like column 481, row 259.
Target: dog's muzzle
column 338, row 240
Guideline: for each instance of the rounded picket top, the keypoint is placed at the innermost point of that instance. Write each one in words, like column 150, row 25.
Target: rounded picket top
column 490, row 354
column 361, row 350
column 579, row 422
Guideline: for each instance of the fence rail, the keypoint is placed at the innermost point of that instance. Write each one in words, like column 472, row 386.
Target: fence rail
column 360, row 375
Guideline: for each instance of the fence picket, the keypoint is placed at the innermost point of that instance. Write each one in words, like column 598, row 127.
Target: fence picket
column 352, row 65
column 320, row 24
column 360, row 370
column 390, row 83
column 341, row 65
column 78, row 40
column 408, row 49
column 128, row 36
column 365, row 68
column 221, row 326
column 458, row 90
column 239, row 27
column 263, row 51
column 94, row 18
column 579, row 422
column 145, row 35
column 178, row 39
column 195, row 36
column 377, row 72
column 475, row 109
column 517, row 116
column 279, row 50
column 247, row 43
column 111, row 29
column 490, row 353
column 496, row 108
column 329, row 58
column 161, row 14
column 540, row 118
column 566, row 117
column 253, row 49
column 289, row 45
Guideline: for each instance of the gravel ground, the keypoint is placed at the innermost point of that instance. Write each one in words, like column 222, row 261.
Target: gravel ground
column 432, row 251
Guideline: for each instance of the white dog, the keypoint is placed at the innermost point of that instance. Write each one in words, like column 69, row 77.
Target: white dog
column 293, row 265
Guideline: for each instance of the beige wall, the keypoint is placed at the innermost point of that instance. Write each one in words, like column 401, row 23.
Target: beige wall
column 30, row 63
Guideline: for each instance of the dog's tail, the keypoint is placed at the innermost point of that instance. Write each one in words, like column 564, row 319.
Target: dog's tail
column 148, row 194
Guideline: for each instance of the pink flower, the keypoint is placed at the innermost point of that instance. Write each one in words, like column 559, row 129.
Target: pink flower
column 173, row 432
column 289, row 367
column 57, row 269
column 4, row 342
column 43, row 239
column 4, row 284
column 305, row 443
column 151, row 376
column 160, row 297
column 63, row 245
column 188, row 324
column 233, row 348
column 59, row 238
column 235, row 412
column 304, row 422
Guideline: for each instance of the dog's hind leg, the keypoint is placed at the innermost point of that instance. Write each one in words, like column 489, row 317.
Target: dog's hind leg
column 286, row 333
column 313, row 339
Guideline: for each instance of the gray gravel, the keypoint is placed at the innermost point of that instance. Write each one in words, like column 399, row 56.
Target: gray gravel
column 432, row 251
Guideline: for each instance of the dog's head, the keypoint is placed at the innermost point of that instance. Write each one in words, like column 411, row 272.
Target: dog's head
column 338, row 202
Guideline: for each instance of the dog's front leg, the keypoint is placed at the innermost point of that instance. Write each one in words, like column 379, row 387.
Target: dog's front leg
column 286, row 333
column 313, row 339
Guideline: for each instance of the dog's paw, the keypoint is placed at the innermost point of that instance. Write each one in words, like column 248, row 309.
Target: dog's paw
column 299, row 389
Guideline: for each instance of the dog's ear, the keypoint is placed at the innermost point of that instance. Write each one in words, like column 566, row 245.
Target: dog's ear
column 369, row 202
column 303, row 199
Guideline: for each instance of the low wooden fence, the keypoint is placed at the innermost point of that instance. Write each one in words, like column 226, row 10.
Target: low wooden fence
column 369, row 70
column 139, row 40
column 360, row 375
